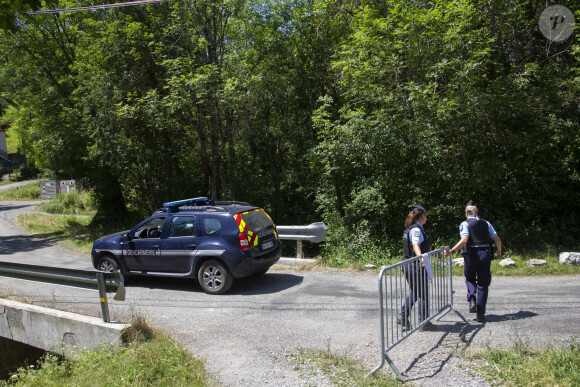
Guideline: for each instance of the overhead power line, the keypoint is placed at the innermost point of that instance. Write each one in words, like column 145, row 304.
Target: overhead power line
column 101, row 6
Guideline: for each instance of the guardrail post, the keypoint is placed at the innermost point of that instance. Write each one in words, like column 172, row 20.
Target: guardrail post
column 299, row 253
column 84, row 279
column 103, row 297
column 315, row 233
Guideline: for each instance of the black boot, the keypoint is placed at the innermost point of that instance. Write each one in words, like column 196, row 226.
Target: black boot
column 404, row 322
column 472, row 306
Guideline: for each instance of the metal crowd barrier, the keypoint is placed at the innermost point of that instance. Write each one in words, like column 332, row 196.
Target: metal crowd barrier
column 85, row 279
column 315, row 232
column 427, row 280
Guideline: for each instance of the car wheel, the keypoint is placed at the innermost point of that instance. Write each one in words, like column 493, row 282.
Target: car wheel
column 214, row 278
column 108, row 263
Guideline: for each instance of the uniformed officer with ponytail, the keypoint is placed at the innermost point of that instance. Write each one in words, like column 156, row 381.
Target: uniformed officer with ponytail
column 415, row 243
column 475, row 234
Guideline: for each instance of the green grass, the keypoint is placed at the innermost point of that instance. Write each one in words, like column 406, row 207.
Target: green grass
column 553, row 267
column 340, row 370
column 521, row 365
column 157, row 362
column 521, row 269
column 26, row 192
column 74, row 232
column 74, row 229
column 12, row 141
column 360, row 254
column 74, row 203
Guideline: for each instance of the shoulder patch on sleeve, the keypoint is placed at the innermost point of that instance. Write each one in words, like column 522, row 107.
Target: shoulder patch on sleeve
column 463, row 229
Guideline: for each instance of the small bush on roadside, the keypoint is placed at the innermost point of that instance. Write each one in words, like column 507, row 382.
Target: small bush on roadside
column 26, row 172
column 347, row 248
column 74, row 203
column 140, row 330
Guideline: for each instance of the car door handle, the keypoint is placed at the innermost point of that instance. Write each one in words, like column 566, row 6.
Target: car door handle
column 155, row 247
column 191, row 247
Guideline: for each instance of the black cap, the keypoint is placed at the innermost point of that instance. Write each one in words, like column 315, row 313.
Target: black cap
column 470, row 203
column 414, row 207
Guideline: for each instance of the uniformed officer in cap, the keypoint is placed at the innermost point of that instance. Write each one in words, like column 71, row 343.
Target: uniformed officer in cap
column 475, row 234
column 415, row 243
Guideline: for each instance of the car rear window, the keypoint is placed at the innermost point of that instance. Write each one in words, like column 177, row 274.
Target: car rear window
column 256, row 219
column 211, row 225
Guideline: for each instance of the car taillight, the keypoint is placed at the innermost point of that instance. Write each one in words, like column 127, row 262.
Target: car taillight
column 244, row 243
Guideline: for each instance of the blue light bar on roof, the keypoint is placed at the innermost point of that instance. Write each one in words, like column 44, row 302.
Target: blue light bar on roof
column 185, row 202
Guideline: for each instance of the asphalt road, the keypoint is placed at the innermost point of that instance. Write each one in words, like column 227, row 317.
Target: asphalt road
column 247, row 337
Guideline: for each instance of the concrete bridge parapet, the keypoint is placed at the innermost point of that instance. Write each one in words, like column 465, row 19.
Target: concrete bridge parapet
column 56, row 331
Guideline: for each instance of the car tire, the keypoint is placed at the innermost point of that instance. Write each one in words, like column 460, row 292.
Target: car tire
column 214, row 277
column 108, row 263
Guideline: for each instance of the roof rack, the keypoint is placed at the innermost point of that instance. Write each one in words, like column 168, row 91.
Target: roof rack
column 200, row 201
column 199, row 204
column 232, row 203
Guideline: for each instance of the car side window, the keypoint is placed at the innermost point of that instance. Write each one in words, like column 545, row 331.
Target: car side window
column 211, row 225
column 151, row 229
column 182, row 226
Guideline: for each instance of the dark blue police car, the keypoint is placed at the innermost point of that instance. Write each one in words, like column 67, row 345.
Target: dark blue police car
column 213, row 242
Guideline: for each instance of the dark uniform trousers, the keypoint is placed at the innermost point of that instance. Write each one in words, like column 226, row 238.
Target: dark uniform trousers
column 416, row 276
column 418, row 281
column 477, row 270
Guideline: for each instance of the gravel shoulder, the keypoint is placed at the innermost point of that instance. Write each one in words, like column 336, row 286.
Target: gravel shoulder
column 248, row 336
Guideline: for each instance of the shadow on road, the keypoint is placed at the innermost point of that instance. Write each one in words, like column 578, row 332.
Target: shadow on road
column 22, row 243
column 265, row 284
column 12, row 207
column 522, row 314
column 456, row 333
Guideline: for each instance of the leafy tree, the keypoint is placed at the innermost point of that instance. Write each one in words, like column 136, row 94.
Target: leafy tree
column 442, row 102
column 350, row 109
column 279, row 67
column 10, row 9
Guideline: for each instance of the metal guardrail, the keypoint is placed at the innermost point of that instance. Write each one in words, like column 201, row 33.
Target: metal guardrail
column 85, row 279
column 315, row 233
column 411, row 294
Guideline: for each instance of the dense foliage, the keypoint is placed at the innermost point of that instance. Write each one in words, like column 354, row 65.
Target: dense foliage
column 343, row 110
column 12, row 11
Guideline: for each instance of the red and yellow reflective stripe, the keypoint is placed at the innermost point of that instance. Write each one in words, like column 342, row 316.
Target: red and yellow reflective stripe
column 273, row 224
column 243, row 227
column 253, row 238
